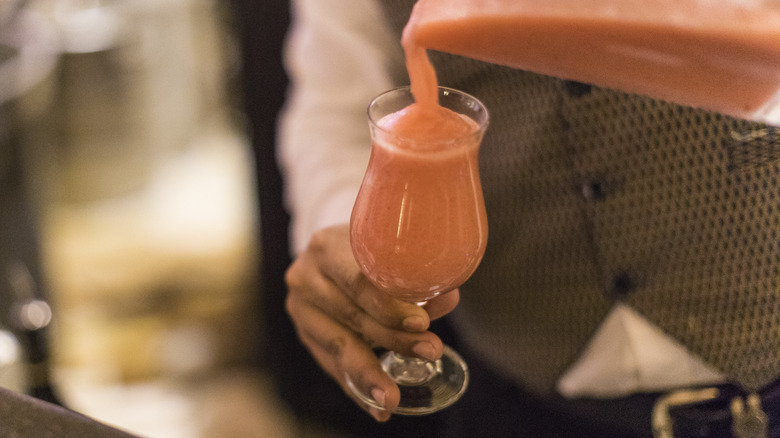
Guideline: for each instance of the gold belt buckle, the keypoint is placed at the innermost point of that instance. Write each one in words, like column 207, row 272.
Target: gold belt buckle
column 748, row 418
column 662, row 421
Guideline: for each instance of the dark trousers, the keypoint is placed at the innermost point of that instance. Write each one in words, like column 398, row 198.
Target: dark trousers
column 491, row 407
column 495, row 407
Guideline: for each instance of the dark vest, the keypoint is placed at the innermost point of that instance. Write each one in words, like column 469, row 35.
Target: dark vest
column 595, row 196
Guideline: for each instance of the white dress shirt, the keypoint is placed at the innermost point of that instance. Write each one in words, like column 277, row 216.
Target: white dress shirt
column 340, row 54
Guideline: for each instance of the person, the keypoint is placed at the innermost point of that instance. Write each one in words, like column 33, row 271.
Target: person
column 634, row 248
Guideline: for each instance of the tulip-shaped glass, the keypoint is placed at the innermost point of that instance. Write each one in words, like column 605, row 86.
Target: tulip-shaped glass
column 419, row 227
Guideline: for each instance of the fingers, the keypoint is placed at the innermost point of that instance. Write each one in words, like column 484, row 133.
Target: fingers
column 340, row 309
column 341, row 317
column 334, row 257
column 342, row 356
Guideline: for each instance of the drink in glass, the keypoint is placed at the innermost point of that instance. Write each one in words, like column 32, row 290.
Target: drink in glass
column 419, row 227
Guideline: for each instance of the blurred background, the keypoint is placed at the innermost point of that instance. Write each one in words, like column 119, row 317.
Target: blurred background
column 131, row 240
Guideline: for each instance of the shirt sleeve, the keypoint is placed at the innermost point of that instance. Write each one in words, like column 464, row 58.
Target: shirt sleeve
column 339, row 55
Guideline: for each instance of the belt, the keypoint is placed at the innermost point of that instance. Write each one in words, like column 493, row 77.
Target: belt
column 718, row 412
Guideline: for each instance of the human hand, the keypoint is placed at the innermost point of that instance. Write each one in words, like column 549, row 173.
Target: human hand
column 340, row 316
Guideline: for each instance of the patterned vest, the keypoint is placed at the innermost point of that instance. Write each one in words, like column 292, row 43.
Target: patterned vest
column 596, row 196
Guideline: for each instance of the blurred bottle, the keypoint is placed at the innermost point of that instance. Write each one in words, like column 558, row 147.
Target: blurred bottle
column 132, row 92
column 28, row 55
column 30, row 317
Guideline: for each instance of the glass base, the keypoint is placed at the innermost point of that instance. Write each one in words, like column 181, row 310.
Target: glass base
column 425, row 386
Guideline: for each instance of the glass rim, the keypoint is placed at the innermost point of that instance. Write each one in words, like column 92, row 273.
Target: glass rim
column 441, row 90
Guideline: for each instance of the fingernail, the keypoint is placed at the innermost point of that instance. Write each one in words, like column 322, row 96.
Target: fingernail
column 414, row 323
column 379, row 396
column 425, row 350
column 378, row 415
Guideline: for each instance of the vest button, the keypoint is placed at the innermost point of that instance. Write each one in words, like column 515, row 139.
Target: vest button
column 620, row 285
column 593, row 190
column 576, row 89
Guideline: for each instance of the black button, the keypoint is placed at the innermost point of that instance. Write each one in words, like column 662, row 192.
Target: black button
column 593, row 190
column 576, row 89
column 620, row 285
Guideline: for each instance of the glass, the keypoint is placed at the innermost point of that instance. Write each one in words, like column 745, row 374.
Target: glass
column 418, row 230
